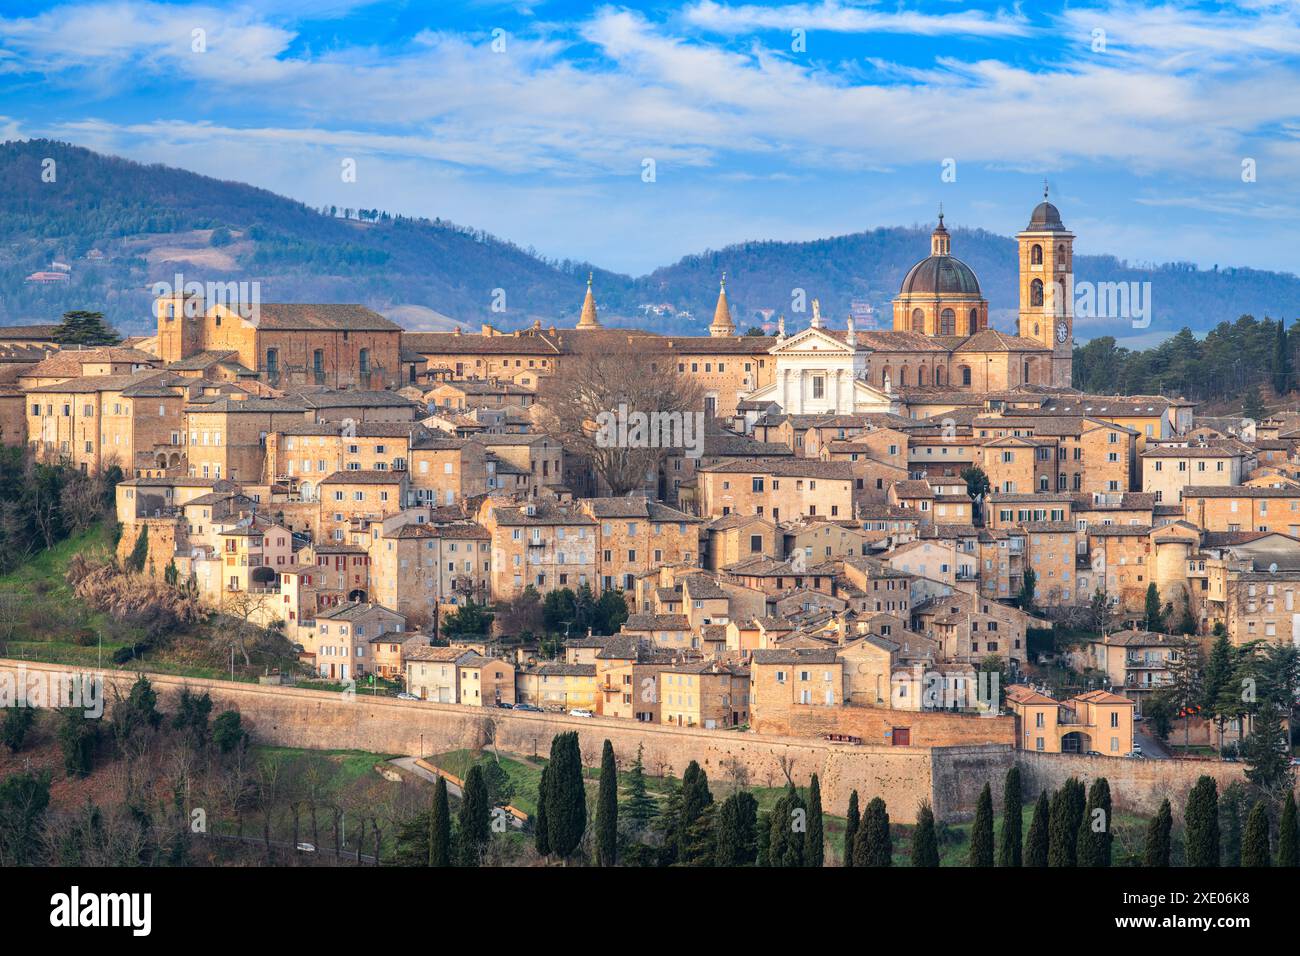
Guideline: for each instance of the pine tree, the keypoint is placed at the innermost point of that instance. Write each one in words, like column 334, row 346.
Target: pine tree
column 814, row 850
column 1156, row 852
column 566, row 807
column 639, row 808
column 1095, row 837
column 696, row 799
column 1267, row 752
column 1037, row 839
column 440, row 827
column 1288, row 837
column 981, row 834
column 1282, row 376
column 475, row 819
column 541, row 831
column 85, row 328
column 852, row 820
column 607, row 809
column 140, row 553
column 1255, row 851
column 925, row 843
column 1009, row 851
column 1252, row 405
column 1201, row 823
column 873, row 845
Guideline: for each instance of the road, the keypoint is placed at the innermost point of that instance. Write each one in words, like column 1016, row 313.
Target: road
column 409, row 764
column 1152, row 747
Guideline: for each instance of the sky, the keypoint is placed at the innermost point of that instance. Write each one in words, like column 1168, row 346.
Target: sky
column 630, row 135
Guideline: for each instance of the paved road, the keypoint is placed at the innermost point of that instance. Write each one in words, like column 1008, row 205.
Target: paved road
column 1150, row 745
column 409, row 764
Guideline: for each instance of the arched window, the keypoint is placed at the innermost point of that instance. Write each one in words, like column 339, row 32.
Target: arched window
column 272, row 363
column 918, row 321
column 1062, row 265
column 947, row 322
column 902, row 377
column 1036, row 255
column 363, row 361
column 922, row 374
column 1026, row 379
column 974, row 321
column 938, row 375
column 1036, row 292
column 965, row 374
column 886, row 378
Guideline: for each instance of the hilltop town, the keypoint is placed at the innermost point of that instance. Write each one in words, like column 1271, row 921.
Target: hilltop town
column 867, row 522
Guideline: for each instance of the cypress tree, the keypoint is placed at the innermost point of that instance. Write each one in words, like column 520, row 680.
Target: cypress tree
column 981, row 834
column 1255, row 851
column 1060, row 832
column 440, row 827
column 1288, row 837
column 764, row 848
column 1231, row 813
column 788, row 830
column 873, row 846
column 475, row 818
column 566, row 808
column 639, row 807
column 1094, row 838
column 1009, row 851
column 814, row 849
column 1156, row 853
column 1201, row 823
column 541, row 832
column 851, row 828
column 140, row 553
column 1036, row 841
column 607, row 809
column 696, row 799
column 925, row 845
column 737, row 830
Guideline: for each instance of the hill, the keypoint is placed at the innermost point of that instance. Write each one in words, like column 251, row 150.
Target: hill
column 119, row 226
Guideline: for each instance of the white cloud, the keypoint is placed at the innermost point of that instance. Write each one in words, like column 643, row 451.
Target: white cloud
column 837, row 17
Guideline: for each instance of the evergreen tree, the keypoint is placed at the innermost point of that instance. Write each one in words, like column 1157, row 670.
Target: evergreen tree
column 1268, row 753
column 788, row 831
column 607, row 809
column 696, row 800
column 981, row 834
column 1288, row 837
column 85, row 328
column 852, row 819
column 475, row 818
column 1153, row 615
column 814, row 851
column 1282, row 376
column 874, row 846
column 1063, row 825
column 1009, row 852
column 1252, row 405
column 1095, row 837
column 763, row 851
column 1201, row 823
column 669, row 823
column 440, row 827
column 1255, row 851
column 925, row 843
column 17, row 722
column 639, row 807
column 1232, row 811
column 1037, row 839
column 737, row 830
column 541, row 829
column 566, row 797
column 1156, row 852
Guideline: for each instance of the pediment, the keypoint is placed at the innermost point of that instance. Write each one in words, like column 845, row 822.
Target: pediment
column 810, row 340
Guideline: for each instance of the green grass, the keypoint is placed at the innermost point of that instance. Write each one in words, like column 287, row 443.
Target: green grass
column 525, row 775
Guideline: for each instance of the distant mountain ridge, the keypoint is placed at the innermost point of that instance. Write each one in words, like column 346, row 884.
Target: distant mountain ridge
column 117, row 226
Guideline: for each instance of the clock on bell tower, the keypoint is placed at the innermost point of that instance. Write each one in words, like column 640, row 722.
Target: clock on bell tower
column 1047, row 289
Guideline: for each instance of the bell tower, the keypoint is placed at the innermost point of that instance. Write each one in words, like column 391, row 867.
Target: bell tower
column 1047, row 292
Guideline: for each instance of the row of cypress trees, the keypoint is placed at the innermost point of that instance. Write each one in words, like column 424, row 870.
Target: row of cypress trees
column 1203, row 839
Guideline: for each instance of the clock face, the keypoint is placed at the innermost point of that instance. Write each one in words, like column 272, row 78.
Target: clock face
column 1062, row 332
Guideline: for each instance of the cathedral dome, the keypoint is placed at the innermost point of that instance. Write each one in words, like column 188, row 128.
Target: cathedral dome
column 941, row 275
column 1046, row 217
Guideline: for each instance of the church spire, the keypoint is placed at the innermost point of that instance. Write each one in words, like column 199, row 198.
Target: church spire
column 588, row 319
column 722, row 326
column 939, row 239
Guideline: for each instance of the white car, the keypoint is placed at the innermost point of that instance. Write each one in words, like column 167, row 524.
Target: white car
column 581, row 713
column 405, row 696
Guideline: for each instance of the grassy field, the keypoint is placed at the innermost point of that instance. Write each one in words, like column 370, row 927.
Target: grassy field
column 41, row 619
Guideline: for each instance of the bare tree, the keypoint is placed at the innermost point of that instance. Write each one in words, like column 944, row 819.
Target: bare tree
column 631, row 377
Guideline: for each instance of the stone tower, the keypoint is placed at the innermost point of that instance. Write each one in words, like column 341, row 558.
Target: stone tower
column 722, row 326
column 588, row 319
column 1047, row 289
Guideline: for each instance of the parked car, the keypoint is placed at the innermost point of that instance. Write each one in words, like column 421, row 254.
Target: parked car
column 405, row 696
column 581, row 713
column 1136, row 755
column 529, row 707
column 505, row 705
column 305, row 848
column 1094, row 753
column 1137, row 748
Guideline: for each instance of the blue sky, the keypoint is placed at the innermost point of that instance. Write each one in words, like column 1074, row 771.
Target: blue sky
column 543, row 139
